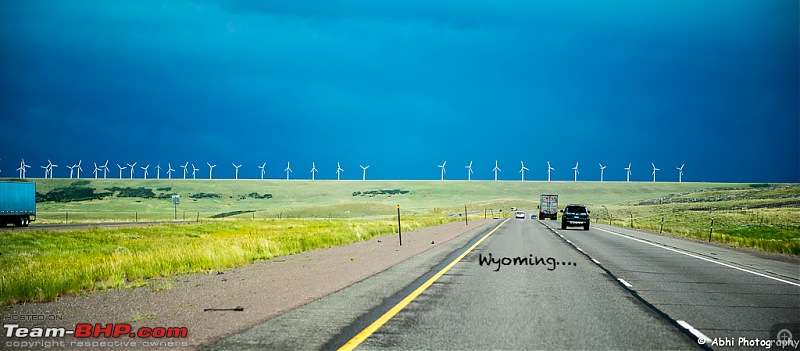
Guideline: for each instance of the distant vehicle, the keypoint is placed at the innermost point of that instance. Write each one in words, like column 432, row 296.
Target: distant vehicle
column 575, row 216
column 520, row 215
column 548, row 207
column 513, row 209
column 533, row 216
column 17, row 203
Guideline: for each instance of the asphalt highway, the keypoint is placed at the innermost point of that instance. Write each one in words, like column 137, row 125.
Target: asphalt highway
column 524, row 284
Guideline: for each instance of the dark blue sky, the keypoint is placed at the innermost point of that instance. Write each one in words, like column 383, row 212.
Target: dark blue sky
column 404, row 85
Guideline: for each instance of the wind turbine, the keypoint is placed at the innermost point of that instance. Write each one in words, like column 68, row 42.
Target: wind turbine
column 132, row 168
column 339, row 170
column 237, row 169
column 469, row 171
column 120, row 170
column 576, row 171
column 96, row 169
column 104, row 167
column 654, row 171
column 145, row 168
column 158, row 171
column 210, row 169
column 22, row 169
column 680, row 174
column 194, row 171
column 523, row 170
column 313, row 170
column 548, row 170
column 495, row 170
column 71, row 169
column 169, row 171
column 602, row 169
column 79, row 168
column 628, row 169
column 442, row 167
column 262, row 170
column 185, row 170
column 287, row 170
column 364, row 174
column 46, row 170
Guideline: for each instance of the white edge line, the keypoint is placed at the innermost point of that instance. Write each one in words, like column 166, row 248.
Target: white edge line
column 595, row 261
column 702, row 258
column 624, row 282
column 694, row 331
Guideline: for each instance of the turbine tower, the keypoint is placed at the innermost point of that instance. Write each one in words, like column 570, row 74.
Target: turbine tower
column 262, row 170
column 602, row 169
column 495, row 170
column 339, row 170
column 313, row 170
column 548, row 170
column 287, row 170
column 96, row 169
column 237, row 169
column 46, row 170
column 442, row 167
column 194, row 171
column 120, row 170
column 105, row 169
column 52, row 165
column 680, row 173
column 158, row 171
column 628, row 169
column 145, row 168
column 364, row 174
column 654, row 171
column 129, row 165
column 210, row 169
column 469, row 171
column 169, row 171
column 576, row 171
column 71, row 168
column 523, row 170
column 79, row 168
column 185, row 170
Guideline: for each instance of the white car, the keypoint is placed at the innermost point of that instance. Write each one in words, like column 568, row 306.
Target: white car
column 520, row 215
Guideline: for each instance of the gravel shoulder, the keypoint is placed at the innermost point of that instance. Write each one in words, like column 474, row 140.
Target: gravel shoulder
column 263, row 290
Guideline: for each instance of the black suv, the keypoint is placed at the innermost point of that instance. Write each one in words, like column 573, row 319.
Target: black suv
column 574, row 216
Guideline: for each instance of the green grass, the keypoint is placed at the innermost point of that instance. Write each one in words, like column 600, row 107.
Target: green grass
column 763, row 218
column 332, row 199
column 42, row 265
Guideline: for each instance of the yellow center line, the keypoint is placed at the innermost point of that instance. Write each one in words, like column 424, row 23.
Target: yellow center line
column 364, row 334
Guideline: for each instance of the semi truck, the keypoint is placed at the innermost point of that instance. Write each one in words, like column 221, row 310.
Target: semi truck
column 17, row 203
column 548, row 207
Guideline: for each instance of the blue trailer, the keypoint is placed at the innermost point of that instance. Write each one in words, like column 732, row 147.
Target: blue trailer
column 17, row 203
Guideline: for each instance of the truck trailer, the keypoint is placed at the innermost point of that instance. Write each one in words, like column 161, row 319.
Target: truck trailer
column 548, row 207
column 17, row 203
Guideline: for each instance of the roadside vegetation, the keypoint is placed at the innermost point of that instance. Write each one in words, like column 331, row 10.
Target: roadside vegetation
column 42, row 265
column 761, row 217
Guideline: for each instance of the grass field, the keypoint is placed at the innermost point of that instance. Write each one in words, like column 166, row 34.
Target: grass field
column 246, row 220
column 42, row 265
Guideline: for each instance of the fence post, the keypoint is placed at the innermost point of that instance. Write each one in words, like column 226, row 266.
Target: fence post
column 711, row 230
column 137, row 217
column 66, row 217
column 465, row 215
column 662, row 225
column 631, row 220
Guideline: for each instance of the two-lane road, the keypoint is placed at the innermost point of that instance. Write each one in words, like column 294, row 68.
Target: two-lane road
column 527, row 286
